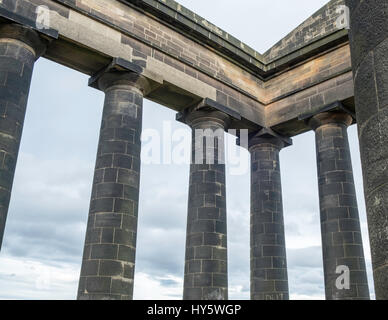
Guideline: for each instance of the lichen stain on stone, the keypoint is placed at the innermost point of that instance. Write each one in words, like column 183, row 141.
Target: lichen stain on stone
column 212, row 27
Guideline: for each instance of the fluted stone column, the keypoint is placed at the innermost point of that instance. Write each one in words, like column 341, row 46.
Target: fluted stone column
column 20, row 47
column 369, row 49
column 206, row 247
column 269, row 279
column 110, row 247
column 340, row 224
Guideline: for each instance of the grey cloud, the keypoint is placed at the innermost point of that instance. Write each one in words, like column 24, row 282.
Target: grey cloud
column 169, row 283
column 310, row 257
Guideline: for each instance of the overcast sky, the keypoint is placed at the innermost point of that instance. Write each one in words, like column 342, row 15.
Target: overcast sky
column 42, row 249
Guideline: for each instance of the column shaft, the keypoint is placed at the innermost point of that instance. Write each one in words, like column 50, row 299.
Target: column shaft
column 109, row 256
column 269, row 279
column 340, row 224
column 20, row 47
column 369, row 48
column 206, row 246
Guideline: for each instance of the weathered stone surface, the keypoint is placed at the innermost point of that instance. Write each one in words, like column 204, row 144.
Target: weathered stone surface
column 368, row 28
column 206, row 239
column 269, row 280
column 320, row 24
column 185, row 71
column 110, row 247
column 340, row 225
column 19, row 49
column 369, row 46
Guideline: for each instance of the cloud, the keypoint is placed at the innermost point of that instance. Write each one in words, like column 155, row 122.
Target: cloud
column 22, row 278
column 305, row 273
column 310, row 257
column 161, row 251
column 48, row 211
column 148, row 287
column 306, row 283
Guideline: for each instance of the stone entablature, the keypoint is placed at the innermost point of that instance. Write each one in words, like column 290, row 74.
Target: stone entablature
column 184, row 70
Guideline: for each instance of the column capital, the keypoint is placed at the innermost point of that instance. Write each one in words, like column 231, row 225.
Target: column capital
column 330, row 114
column 120, row 72
column 28, row 36
column 208, row 113
column 268, row 136
column 330, row 117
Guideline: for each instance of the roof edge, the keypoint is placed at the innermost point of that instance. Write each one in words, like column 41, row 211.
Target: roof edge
column 188, row 22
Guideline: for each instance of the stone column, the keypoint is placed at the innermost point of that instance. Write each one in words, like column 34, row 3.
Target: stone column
column 206, row 248
column 340, row 224
column 109, row 255
column 20, row 47
column 269, row 280
column 369, row 48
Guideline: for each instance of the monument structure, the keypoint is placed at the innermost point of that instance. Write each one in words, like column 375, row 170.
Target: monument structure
column 159, row 50
column 369, row 47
